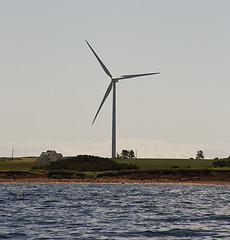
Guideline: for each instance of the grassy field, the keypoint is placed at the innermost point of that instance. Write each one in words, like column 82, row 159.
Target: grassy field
column 26, row 163
column 158, row 163
column 17, row 164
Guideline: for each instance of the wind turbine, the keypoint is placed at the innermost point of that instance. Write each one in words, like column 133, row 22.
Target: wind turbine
column 111, row 86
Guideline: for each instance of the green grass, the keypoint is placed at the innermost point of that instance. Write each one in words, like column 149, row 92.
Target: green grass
column 17, row 164
column 158, row 163
column 26, row 164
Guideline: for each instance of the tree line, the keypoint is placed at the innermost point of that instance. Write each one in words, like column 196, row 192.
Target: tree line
column 126, row 154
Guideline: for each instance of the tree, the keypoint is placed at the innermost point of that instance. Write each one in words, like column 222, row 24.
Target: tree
column 200, row 154
column 127, row 154
column 131, row 154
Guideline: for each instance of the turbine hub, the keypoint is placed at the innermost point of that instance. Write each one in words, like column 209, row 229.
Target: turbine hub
column 115, row 79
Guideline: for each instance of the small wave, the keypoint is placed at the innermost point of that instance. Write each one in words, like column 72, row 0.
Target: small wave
column 176, row 232
column 13, row 236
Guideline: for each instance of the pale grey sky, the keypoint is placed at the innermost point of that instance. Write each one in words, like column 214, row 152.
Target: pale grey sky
column 52, row 85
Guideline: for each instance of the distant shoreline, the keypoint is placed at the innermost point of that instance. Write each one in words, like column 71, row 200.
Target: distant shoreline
column 108, row 181
column 204, row 177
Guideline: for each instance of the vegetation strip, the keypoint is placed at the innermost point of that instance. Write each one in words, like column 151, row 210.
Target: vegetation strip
column 85, row 168
column 154, row 176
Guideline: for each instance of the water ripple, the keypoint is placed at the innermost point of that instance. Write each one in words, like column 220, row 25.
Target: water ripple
column 114, row 211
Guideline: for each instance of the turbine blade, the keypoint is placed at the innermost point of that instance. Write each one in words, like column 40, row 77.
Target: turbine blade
column 103, row 100
column 101, row 63
column 136, row 75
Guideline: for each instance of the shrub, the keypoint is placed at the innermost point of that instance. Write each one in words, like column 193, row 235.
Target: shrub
column 85, row 163
column 225, row 162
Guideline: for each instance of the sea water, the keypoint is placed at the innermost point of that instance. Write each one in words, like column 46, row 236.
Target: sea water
column 114, row 211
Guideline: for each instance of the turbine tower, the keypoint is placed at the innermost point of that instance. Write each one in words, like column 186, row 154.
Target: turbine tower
column 111, row 86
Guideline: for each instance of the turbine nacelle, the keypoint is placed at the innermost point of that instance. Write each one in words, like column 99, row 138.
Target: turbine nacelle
column 115, row 79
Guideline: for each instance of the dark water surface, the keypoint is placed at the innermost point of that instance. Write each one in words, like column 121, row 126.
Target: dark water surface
column 114, row 211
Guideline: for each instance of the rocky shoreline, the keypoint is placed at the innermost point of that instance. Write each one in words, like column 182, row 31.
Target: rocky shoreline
column 217, row 177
